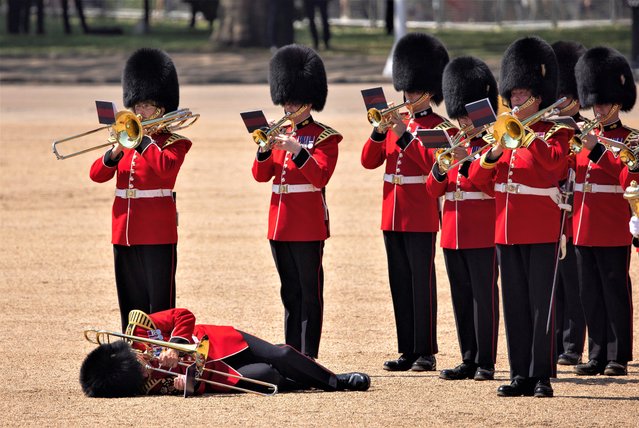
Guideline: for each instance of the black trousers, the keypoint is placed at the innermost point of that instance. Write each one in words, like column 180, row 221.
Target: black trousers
column 281, row 365
column 145, row 278
column 322, row 5
column 569, row 313
column 606, row 295
column 526, row 283
column 299, row 265
column 411, row 273
column 473, row 275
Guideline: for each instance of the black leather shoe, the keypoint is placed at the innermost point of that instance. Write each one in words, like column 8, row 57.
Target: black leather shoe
column 462, row 371
column 614, row 368
column 569, row 359
column 543, row 388
column 591, row 368
column 403, row 363
column 353, row 381
column 485, row 373
column 517, row 388
column 425, row 363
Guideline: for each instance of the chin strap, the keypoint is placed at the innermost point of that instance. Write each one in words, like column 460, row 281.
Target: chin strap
column 564, row 110
column 613, row 111
column 418, row 101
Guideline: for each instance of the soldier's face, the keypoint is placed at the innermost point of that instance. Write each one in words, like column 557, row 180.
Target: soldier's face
column 412, row 96
column 148, row 110
column 602, row 109
column 464, row 121
column 519, row 96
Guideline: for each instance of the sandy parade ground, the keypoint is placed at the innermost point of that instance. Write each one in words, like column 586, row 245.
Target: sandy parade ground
column 57, row 279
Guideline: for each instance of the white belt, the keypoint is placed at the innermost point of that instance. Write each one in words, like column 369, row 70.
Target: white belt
column 404, row 179
column 597, row 188
column 525, row 190
column 460, row 195
column 294, row 188
column 136, row 193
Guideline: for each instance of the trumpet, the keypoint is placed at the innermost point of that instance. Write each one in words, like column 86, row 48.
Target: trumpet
column 198, row 352
column 446, row 157
column 266, row 137
column 381, row 119
column 128, row 130
column 508, row 131
column 576, row 142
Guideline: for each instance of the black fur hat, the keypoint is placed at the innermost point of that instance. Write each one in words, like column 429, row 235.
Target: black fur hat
column 604, row 77
column 297, row 75
column 529, row 63
column 111, row 370
column 418, row 63
column 149, row 74
column 467, row 79
column 567, row 54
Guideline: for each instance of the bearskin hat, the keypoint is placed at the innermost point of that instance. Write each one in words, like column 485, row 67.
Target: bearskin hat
column 149, row 74
column 418, row 63
column 567, row 54
column 297, row 75
column 467, row 79
column 604, row 77
column 111, row 370
column 529, row 63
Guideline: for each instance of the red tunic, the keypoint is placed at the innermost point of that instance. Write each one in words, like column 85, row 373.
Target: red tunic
column 527, row 218
column 601, row 218
column 406, row 207
column 173, row 324
column 467, row 222
column 300, row 216
column 142, row 221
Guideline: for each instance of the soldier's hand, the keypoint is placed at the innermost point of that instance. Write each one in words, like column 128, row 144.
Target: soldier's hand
column 169, row 357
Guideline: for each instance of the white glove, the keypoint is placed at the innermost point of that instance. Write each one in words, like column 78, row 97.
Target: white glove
column 634, row 226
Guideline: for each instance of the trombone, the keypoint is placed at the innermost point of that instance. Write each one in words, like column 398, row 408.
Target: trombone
column 264, row 137
column 128, row 130
column 629, row 155
column 508, row 131
column 198, row 351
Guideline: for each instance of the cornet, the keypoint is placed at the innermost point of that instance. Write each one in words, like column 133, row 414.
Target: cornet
column 265, row 138
column 381, row 119
column 128, row 130
column 577, row 141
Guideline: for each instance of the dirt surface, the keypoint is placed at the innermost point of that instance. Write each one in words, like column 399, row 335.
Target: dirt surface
column 57, row 279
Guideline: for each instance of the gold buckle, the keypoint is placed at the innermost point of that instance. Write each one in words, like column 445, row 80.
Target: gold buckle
column 458, row 195
column 587, row 187
column 283, row 188
column 397, row 179
column 130, row 193
column 512, row 188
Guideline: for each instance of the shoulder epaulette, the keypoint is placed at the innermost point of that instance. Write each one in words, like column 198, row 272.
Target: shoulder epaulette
column 556, row 127
column 172, row 139
column 327, row 132
column 445, row 125
column 632, row 138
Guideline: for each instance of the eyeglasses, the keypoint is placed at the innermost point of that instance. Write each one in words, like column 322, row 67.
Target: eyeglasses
column 145, row 105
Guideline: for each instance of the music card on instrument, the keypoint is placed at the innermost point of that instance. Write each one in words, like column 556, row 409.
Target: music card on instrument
column 568, row 121
column 481, row 113
column 189, row 382
column 106, row 112
column 254, row 120
column 433, row 138
column 614, row 144
column 374, row 98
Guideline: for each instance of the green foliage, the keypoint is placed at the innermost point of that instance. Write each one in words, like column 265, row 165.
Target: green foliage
column 176, row 36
